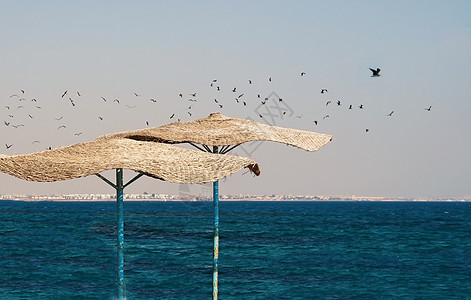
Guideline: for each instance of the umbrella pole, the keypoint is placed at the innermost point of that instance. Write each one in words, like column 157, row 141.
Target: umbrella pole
column 120, row 233
column 215, row 234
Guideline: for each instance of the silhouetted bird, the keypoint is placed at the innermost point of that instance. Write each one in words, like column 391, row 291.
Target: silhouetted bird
column 361, row 106
column 103, row 98
column 8, row 146
column 62, row 126
column 315, row 122
column 375, row 72
column 250, row 81
column 193, row 95
column 172, row 116
column 429, row 108
column 390, row 114
column 234, row 89
column 64, row 94
column 366, row 130
column 338, row 103
column 303, row 73
column 116, row 100
column 135, row 94
column 323, row 91
column 328, row 102
column 350, row 107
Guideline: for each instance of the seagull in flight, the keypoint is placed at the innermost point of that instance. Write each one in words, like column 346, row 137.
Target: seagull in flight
column 375, row 72
column 8, row 146
column 429, row 108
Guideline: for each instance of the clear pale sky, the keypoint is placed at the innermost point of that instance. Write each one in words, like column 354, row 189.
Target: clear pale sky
column 160, row 49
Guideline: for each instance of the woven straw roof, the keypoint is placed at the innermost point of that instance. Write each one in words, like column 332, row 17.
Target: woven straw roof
column 162, row 161
column 219, row 130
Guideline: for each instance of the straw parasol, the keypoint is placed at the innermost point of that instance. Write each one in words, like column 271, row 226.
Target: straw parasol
column 220, row 134
column 161, row 161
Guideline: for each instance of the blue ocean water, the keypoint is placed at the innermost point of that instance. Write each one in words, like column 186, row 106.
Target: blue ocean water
column 268, row 250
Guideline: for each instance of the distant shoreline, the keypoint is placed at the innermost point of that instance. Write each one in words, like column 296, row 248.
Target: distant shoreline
column 173, row 198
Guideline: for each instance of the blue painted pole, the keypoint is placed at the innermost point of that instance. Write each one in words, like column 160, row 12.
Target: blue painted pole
column 215, row 234
column 120, row 234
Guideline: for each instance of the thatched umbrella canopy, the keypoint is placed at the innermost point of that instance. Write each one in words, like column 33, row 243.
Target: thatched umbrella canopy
column 224, row 134
column 162, row 161
column 219, row 130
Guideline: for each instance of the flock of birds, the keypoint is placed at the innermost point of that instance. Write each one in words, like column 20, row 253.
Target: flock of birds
column 239, row 96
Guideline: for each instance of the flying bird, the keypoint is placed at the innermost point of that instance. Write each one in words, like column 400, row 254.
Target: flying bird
column 250, row 81
column 429, row 108
column 193, row 95
column 361, row 106
column 234, row 89
column 350, row 107
column 172, row 116
column 375, row 72
column 58, row 119
column 269, row 79
column 220, row 105
column 390, row 114
column 366, row 130
column 303, row 73
column 64, row 94
column 153, row 100
column 135, row 94
column 62, row 126
column 8, row 146
column 326, row 116
column 78, row 94
column 6, row 123
column 116, row 100
column 78, row 133
column 129, row 106
column 323, row 91
column 328, row 102
column 315, row 122
column 101, row 118
column 338, row 103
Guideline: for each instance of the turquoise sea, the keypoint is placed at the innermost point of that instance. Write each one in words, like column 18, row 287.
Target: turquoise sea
column 268, row 250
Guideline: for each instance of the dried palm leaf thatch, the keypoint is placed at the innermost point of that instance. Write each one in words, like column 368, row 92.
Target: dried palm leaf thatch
column 219, row 130
column 162, row 161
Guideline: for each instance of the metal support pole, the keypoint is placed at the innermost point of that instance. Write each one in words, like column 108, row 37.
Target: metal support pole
column 215, row 234
column 120, row 234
